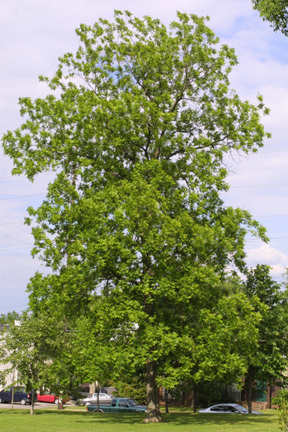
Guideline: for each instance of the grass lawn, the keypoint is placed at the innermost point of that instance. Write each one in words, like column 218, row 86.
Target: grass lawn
column 81, row 421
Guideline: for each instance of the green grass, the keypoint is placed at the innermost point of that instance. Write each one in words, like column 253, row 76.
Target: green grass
column 82, row 421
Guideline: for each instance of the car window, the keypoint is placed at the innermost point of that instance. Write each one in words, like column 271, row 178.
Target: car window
column 242, row 409
column 132, row 402
column 232, row 409
column 20, row 390
column 217, row 408
column 123, row 403
column 114, row 403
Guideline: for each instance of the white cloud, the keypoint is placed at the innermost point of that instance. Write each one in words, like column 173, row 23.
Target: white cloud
column 265, row 254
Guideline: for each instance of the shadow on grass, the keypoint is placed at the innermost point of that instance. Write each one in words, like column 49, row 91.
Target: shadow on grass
column 205, row 419
column 177, row 419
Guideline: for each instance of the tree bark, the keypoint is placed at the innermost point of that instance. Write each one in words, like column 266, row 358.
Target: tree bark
column 32, row 402
column 268, row 393
column 153, row 408
column 97, row 390
column 194, row 397
column 60, row 403
column 166, row 400
column 249, row 392
column 12, row 398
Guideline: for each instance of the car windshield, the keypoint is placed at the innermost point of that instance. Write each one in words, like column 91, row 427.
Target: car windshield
column 242, row 409
column 132, row 402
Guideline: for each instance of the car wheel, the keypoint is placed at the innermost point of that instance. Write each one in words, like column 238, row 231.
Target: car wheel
column 23, row 402
column 100, row 411
column 87, row 403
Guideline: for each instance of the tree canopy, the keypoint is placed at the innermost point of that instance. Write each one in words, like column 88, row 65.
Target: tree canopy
column 133, row 227
column 274, row 11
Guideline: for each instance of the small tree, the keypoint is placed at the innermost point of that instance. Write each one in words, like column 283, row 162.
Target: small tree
column 21, row 354
column 36, row 349
column 281, row 400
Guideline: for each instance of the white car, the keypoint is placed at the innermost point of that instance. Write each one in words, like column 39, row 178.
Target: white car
column 227, row 408
column 92, row 399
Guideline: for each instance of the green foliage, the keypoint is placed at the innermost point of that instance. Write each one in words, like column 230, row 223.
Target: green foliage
column 281, row 400
column 135, row 387
column 39, row 349
column 210, row 393
column 280, row 396
column 269, row 361
column 274, row 11
column 271, row 357
column 10, row 317
column 133, row 227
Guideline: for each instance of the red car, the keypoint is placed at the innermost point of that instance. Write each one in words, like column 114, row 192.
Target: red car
column 48, row 397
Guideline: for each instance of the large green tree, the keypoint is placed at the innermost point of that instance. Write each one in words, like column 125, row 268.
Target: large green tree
column 133, row 226
column 274, row 11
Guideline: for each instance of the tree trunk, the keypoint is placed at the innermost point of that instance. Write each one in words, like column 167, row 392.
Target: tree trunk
column 249, row 393
column 268, row 392
column 166, row 400
column 97, row 389
column 32, row 402
column 194, row 397
column 12, row 398
column 60, row 403
column 153, row 409
column 183, row 398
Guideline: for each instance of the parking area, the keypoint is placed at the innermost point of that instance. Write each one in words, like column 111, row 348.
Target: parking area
column 38, row 405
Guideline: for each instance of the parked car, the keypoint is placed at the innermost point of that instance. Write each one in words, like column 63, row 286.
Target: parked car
column 50, row 397
column 20, row 395
column 119, row 405
column 227, row 408
column 92, row 399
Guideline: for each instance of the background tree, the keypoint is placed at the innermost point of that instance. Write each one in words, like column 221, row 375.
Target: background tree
column 10, row 317
column 37, row 349
column 274, row 11
column 133, row 228
column 134, row 386
column 281, row 400
column 270, row 360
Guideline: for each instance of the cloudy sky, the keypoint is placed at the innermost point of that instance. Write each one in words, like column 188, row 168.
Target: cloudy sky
column 33, row 34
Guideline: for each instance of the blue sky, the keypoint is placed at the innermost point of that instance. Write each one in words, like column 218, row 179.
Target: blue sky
column 35, row 33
